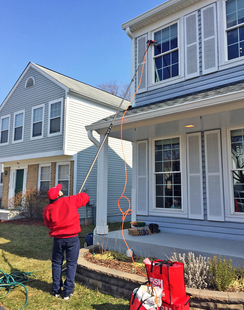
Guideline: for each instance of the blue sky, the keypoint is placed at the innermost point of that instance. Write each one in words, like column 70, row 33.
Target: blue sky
column 79, row 38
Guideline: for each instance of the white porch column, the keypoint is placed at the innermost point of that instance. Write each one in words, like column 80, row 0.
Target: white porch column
column 102, row 189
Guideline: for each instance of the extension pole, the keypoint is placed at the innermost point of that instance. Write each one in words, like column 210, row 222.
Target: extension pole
column 111, row 124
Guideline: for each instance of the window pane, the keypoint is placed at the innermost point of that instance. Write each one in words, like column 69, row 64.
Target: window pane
column 63, row 172
column 4, row 136
column 19, row 120
column 44, row 186
column 18, row 133
column 55, row 109
column 238, row 187
column 65, row 187
column 37, row 115
column 37, row 129
column 233, row 51
column 5, row 123
column 55, row 125
column 45, row 173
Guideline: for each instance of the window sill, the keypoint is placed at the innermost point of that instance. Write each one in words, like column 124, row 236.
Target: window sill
column 231, row 63
column 168, row 212
column 166, row 82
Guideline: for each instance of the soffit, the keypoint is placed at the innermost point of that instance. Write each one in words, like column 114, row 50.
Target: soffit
column 167, row 8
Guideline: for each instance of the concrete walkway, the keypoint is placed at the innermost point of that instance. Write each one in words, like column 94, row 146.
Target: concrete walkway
column 162, row 245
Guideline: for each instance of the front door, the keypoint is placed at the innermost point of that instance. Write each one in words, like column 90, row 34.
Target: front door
column 19, row 181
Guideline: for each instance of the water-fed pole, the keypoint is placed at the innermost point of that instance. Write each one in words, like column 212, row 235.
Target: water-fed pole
column 149, row 42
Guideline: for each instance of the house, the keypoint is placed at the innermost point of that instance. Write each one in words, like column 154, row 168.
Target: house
column 43, row 140
column 187, row 120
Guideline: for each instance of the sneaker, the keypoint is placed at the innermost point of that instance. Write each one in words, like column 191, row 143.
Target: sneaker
column 68, row 297
column 56, row 295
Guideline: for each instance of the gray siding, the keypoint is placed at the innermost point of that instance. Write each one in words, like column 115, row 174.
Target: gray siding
column 42, row 92
column 201, row 83
column 222, row 230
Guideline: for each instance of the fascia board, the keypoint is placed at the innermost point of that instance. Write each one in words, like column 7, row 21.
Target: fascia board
column 192, row 105
column 31, row 65
column 167, row 8
column 15, row 85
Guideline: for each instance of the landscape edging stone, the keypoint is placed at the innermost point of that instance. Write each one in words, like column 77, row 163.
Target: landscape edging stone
column 121, row 284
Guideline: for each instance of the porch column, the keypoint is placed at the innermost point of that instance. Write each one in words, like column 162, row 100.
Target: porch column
column 102, row 190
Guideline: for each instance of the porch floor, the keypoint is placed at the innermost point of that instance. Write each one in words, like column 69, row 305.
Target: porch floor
column 163, row 244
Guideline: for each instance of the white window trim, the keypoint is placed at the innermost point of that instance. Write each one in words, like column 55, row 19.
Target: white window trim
column 224, row 63
column 61, row 118
column 152, row 191
column 180, row 35
column 39, row 174
column 34, row 82
column 22, row 139
column 5, row 116
column 57, row 167
column 231, row 215
column 32, row 113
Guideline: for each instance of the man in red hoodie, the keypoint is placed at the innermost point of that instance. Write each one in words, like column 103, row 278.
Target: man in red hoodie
column 62, row 218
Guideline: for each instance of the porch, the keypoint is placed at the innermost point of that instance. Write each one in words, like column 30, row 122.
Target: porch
column 162, row 245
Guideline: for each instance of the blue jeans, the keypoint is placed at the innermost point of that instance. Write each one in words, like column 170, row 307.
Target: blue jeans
column 71, row 246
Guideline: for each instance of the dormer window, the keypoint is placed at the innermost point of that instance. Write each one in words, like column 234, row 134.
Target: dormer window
column 29, row 82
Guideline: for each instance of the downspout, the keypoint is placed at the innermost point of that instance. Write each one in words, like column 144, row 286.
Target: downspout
column 92, row 138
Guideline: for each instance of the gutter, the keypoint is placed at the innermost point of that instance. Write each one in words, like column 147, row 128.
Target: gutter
column 92, row 138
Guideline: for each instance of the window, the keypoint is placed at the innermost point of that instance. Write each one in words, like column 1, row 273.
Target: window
column 237, row 158
column 166, row 58
column 63, row 177
column 37, row 122
column 29, row 82
column 167, row 173
column 18, row 130
column 45, row 175
column 55, row 117
column 235, row 28
column 5, row 121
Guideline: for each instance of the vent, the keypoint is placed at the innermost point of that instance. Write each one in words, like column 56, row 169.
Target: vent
column 29, row 82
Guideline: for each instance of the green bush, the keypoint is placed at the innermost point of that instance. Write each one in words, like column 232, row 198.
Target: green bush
column 221, row 273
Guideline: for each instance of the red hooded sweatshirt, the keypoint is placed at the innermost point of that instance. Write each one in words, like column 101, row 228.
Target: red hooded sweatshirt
column 62, row 217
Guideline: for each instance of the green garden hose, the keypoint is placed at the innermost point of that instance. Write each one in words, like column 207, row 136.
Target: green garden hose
column 14, row 279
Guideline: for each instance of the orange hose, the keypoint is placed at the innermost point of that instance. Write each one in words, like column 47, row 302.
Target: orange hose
column 129, row 210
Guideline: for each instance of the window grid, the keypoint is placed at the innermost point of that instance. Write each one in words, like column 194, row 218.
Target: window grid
column 166, row 58
column 167, row 173
column 235, row 28
column 37, row 122
column 5, row 121
column 63, row 178
column 45, row 176
column 18, row 126
column 55, row 117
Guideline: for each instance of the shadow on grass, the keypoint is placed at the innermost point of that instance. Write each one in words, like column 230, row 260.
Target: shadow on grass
column 108, row 306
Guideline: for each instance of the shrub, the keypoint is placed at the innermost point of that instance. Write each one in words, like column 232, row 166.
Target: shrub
column 30, row 203
column 195, row 269
column 221, row 273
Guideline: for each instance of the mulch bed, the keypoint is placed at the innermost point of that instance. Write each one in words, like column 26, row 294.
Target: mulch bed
column 117, row 265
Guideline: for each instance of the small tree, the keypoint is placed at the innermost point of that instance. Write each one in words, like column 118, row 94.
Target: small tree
column 113, row 88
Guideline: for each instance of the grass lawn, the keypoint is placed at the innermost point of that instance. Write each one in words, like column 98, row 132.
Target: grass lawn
column 28, row 248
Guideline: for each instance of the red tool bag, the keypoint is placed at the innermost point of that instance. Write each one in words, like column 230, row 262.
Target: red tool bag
column 138, row 301
column 180, row 304
column 169, row 276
